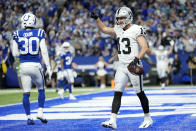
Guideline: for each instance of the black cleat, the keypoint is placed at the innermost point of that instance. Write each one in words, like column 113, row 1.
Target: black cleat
column 30, row 122
column 43, row 120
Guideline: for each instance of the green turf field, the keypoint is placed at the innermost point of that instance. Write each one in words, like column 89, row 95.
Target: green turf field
column 14, row 96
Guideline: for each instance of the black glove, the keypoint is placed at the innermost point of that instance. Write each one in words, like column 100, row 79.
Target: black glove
column 94, row 15
column 134, row 62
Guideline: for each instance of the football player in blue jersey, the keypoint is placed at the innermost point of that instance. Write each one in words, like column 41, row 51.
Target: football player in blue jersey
column 66, row 65
column 27, row 44
column 60, row 75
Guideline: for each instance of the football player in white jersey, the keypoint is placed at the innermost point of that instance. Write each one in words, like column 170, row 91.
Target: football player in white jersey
column 132, row 46
column 27, row 44
column 162, row 63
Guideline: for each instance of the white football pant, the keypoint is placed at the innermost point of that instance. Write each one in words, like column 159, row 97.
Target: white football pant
column 69, row 75
column 31, row 72
column 123, row 75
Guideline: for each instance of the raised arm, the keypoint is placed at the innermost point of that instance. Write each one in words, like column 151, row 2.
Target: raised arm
column 101, row 25
column 170, row 50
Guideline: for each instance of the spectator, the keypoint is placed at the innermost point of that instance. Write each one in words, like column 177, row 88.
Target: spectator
column 192, row 67
column 189, row 45
column 2, row 76
column 176, row 65
column 101, row 72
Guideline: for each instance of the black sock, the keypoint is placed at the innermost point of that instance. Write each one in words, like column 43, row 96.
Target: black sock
column 116, row 102
column 144, row 101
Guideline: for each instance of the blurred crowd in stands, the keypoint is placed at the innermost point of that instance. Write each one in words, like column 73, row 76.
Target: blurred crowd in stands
column 68, row 20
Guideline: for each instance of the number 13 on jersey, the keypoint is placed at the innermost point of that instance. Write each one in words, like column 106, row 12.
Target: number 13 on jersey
column 126, row 49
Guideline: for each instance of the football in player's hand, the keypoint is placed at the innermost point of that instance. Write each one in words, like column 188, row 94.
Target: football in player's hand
column 136, row 70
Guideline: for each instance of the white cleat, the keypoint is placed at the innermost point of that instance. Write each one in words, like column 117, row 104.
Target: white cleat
column 61, row 94
column 71, row 97
column 109, row 124
column 147, row 122
column 40, row 115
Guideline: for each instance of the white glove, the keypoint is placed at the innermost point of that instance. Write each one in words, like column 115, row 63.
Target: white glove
column 172, row 43
column 49, row 72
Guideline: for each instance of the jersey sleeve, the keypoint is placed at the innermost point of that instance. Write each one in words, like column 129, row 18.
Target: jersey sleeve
column 15, row 35
column 140, row 31
column 62, row 57
column 41, row 33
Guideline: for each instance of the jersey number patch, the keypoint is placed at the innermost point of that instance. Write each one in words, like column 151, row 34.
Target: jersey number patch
column 127, row 49
column 30, row 45
column 68, row 60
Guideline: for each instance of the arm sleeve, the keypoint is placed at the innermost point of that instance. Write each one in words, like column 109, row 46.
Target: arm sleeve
column 139, row 30
column 15, row 51
column 44, row 53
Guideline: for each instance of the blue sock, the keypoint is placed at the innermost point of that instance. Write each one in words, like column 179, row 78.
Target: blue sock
column 58, row 84
column 64, row 86
column 41, row 98
column 69, row 87
column 26, row 103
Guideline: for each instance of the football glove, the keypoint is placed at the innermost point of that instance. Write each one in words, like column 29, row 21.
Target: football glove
column 49, row 72
column 134, row 68
column 134, row 62
column 94, row 15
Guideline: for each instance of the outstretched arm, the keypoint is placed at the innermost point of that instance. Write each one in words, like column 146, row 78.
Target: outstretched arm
column 101, row 25
column 170, row 50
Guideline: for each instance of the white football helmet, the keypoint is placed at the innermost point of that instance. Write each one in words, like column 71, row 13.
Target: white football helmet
column 28, row 20
column 124, row 12
column 66, row 46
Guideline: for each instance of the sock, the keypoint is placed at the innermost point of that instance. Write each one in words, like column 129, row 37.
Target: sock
column 41, row 98
column 113, row 117
column 40, row 112
column 69, row 87
column 29, row 117
column 146, row 114
column 116, row 102
column 26, row 103
column 64, row 86
column 58, row 84
column 144, row 101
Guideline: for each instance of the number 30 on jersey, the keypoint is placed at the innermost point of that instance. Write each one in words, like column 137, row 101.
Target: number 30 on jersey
column 30, row 45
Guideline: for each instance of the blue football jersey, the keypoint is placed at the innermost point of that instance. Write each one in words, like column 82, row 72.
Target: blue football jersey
column 67, row 60
column 29, row 44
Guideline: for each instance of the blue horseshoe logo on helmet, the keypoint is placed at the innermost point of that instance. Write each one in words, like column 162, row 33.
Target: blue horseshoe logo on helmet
column 27, row 18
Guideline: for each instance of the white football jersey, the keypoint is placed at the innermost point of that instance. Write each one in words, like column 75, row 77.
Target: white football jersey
column 161, row 58
column 128, row 47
